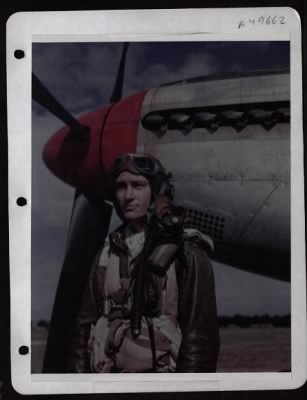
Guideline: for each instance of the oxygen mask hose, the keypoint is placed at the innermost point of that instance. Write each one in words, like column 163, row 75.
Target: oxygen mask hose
column 137, row 305
column 163, row 236
column 138, row 298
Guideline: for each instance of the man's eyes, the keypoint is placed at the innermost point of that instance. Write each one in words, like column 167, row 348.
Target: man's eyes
column 139, row 185
column 136, row 185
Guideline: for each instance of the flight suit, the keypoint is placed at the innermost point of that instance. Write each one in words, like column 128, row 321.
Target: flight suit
column 182, row 299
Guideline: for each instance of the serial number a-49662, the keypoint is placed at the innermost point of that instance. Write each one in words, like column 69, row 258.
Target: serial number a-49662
column 263, row 20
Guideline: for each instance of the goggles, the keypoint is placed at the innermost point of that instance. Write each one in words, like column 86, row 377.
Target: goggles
column 142, row 164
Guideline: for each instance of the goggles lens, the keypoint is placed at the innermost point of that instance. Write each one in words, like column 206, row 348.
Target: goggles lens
column 144, row 164
column 141, row 164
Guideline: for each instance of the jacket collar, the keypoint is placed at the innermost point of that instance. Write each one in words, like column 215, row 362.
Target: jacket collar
column 122, row 239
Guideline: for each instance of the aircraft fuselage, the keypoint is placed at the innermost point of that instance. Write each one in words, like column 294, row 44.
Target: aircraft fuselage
column 227, row 143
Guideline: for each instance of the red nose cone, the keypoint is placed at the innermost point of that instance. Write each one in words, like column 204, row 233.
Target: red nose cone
column 83, row 161
column 75, row 159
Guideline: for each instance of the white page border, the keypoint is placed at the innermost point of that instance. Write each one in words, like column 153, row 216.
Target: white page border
column 140, row 25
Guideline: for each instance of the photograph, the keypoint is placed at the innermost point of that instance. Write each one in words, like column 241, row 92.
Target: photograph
column 160, row 208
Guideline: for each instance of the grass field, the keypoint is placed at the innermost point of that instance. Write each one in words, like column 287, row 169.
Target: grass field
column 263, row 349
column 258, row 349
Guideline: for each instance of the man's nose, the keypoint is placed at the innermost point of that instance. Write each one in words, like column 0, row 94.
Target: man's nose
column 129, row 193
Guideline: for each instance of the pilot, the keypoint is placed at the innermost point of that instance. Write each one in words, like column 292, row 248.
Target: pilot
column 150, row 302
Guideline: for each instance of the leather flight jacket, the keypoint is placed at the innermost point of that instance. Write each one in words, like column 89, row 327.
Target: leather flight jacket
column 196, row 305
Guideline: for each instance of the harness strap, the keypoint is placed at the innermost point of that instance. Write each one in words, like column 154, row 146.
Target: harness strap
column 152, row 343
column 99, row 290
column 123, row 265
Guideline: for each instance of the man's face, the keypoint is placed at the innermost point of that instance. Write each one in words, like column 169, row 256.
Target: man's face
column 133, row 194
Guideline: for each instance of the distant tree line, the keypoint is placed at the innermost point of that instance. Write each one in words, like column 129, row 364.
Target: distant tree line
column 244, row 321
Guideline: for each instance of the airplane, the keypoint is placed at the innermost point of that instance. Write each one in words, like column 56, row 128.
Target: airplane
column 226, row 140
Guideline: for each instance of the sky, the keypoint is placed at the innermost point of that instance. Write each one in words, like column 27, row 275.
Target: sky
column 81, row 77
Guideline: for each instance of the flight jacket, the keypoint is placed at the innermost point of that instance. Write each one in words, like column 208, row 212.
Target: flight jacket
column 196, row 308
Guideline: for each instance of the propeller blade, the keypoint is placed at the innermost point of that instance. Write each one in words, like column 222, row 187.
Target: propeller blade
column 89, row 228
column 77, row 194
column 42, row 96
column 119, row 82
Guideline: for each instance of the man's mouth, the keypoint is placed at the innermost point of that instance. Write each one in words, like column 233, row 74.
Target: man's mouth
column 130, row 208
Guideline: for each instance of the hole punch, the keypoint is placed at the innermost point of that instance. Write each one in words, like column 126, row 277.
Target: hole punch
column 21, row 201
column 19, row 54
column 23, row 350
